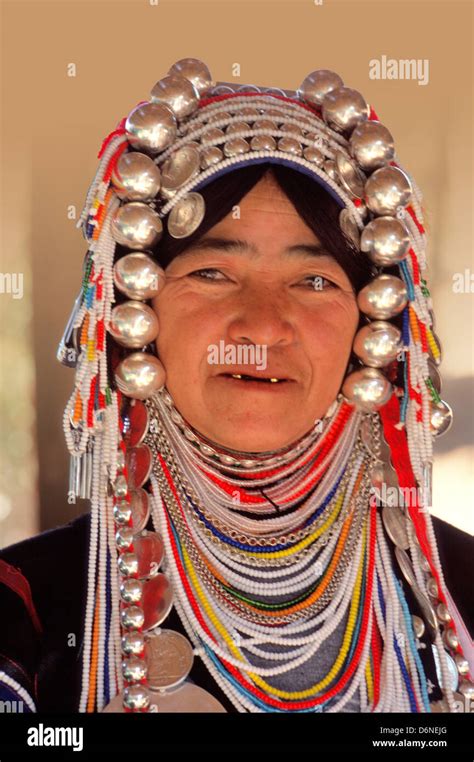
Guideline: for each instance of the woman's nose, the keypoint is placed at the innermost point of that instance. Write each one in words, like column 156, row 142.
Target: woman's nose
column 261, row 318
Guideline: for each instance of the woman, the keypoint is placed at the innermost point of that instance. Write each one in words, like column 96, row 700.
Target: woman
column 253, row 424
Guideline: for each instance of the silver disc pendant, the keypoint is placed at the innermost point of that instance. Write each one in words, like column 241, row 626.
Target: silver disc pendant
column 187, row 698
column 395, row 523
column 169, row 656
column 186, row 216
column 180, row 167
column 406, row 566
column 351, row 177
column 157, row 600
column 150, row 550
column 140, row 506
column 452, row 669
column 349, row 227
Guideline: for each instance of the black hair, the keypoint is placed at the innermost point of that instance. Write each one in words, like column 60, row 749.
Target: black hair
column 315, row 205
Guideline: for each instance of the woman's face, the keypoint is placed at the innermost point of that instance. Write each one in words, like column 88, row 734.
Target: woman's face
column 267, row 307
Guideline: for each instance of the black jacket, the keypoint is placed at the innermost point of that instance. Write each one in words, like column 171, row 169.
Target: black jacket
column 43, row 592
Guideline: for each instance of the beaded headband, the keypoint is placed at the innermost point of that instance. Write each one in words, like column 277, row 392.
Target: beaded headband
column 152, row 167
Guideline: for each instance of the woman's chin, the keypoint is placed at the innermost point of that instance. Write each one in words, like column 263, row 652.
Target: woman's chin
column 252, row 441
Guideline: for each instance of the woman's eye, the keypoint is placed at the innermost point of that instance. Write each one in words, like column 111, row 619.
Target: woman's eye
column 319, row 283
column 207, row 273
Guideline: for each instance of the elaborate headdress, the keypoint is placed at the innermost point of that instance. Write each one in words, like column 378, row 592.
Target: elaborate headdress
column 123, row 431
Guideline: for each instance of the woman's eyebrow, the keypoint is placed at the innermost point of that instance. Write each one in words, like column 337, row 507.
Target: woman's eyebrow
column 238, row 246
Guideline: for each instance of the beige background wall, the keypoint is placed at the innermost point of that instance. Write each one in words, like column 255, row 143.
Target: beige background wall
column 52, row 127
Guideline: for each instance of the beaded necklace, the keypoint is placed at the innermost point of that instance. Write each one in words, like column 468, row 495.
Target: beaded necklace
column 288, row 580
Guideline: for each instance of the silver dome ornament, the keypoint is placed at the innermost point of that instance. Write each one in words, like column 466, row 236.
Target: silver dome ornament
column 211, row 155
column 131, row 590
column 218, row 116
column 343, row 109
column 151, row 127
column 133, row 324
column 133, row 643
column 313, row 154
column 263, row 143
column 236, row 146
column 350, row 176
column 134, row 669
column 384, row 297
column 136, row 177
column 295, row 131
column 265, row 124
column 124, row 538
column 140, row 375
column 377, row 344
column 179, row 168
column 178, row 93
column 290, row 145
column 462, row 664
column 441, row 418
column 136, row 697
column 387, row 189
column 466, row 688
column 132, row 617
column 138, row 276
column 367, row 389
column 213, row 133
column 196, row 71
column 122, row 512
column 371, row 144
column 127, row 564
column 236, row 127
column 317, row 85
column 386, row 240
column 136, row 225
column 120, row 486
column 187, row 215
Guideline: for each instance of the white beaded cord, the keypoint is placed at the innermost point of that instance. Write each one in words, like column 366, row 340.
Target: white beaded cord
column 91, row 586
column 102, row 578
column 257, row 670
column 19, row 690
column 94, row 188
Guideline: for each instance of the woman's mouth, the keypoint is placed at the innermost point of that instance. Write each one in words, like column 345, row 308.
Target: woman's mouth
column 255, row 382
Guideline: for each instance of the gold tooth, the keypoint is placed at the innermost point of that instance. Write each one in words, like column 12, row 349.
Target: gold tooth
column 272, row 380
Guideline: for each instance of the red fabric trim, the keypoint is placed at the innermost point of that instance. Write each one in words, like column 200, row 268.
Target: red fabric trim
column 14, row 579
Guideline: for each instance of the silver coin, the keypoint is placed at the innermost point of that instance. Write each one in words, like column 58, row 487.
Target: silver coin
column 405, row 566
column 140, row 506
column 180, row 167
column 349, row 227
column 351, row 177
column 395, row 522
column 427, row 610
column 418, row 626
column 186, row 698
column 453, row 671
column 169, row 656
column 186, row 216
